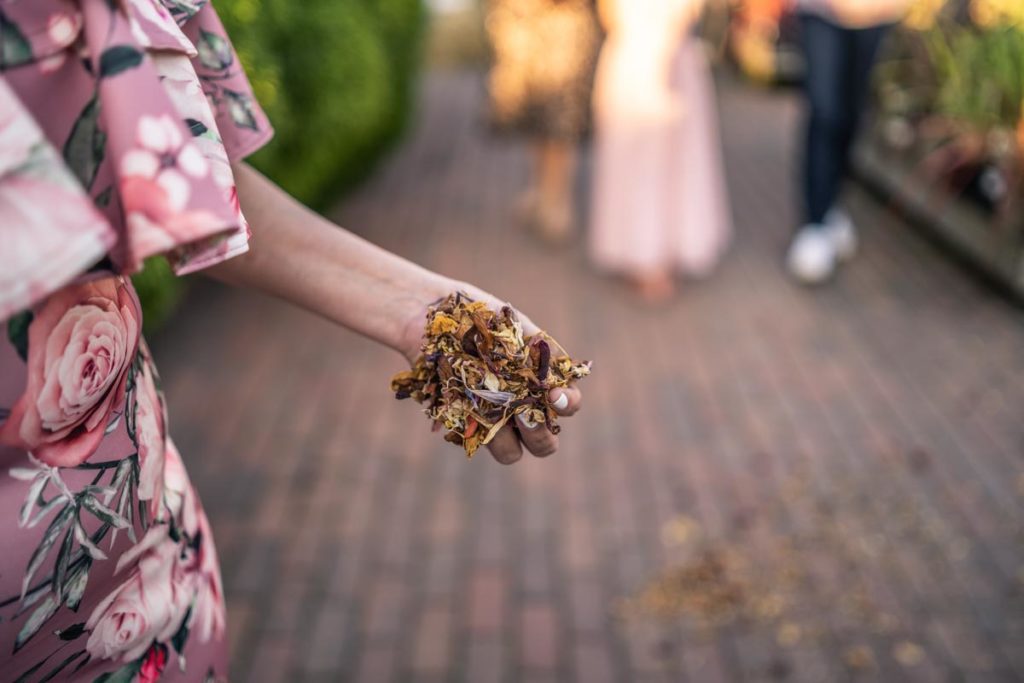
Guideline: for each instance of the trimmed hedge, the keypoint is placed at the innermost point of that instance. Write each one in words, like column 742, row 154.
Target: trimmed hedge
column 336, row 78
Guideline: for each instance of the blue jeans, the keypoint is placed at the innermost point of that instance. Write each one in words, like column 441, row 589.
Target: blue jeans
column 839, row 62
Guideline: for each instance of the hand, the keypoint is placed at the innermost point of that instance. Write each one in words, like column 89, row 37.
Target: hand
column 507, row 446
column 310, row 262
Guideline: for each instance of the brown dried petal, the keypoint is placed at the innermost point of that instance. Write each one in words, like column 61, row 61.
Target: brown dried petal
column 478, row 370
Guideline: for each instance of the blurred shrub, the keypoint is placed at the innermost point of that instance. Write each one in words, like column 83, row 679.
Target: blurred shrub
column 159, row 292
column 963, row 62
column 336, row 78
column 981, row 72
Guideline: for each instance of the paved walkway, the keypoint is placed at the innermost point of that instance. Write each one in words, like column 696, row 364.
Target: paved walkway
column 766, row 483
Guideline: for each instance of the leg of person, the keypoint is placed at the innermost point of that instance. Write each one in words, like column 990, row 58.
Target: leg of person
column 864, row 46
column 812, row 256
column 557, row 173
column 828, row 50
column 528, row 203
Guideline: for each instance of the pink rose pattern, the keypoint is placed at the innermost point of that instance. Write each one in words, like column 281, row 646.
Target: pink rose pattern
column 150, row 436
column 156, row 181
column 90, row 374
column 81, row 343
column 128, row 157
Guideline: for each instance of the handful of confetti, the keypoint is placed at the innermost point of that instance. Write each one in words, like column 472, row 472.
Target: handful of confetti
column 477, row 371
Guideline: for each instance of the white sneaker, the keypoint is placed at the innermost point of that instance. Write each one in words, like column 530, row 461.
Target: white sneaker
column 812, row 255
column 843, row 234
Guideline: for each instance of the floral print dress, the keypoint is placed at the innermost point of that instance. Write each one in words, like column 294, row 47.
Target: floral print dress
column 118, row 123
column 544, row 53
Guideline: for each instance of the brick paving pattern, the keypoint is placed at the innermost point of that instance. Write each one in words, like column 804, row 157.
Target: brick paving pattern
column 843, row 470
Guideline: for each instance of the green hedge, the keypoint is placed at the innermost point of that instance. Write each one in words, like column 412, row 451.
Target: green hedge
column 336, row 79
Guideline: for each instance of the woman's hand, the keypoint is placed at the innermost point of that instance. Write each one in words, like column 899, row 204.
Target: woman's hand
column 304, row 259
column 507, row 446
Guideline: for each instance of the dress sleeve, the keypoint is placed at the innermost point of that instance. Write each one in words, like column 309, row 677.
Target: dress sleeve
column 49, row 227
column 137, row 109
column 244, row 127
column 234, row 127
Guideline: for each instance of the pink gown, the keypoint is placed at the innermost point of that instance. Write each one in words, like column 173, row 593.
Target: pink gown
column 659, row 198
column 118, row 123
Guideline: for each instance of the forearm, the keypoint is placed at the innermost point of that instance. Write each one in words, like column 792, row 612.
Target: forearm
column 304, row 259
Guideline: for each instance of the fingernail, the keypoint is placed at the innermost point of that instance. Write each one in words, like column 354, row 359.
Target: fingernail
column 562, row 402
column 523, row 420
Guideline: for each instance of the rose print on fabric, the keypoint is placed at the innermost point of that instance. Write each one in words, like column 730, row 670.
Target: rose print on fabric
column 145, row 106
column 172, row 590
column 43, row 212
column 186, row 92
column 152, row 603
column 90, row 375
column 153, row 665
column 155, row 186
column 105, row 60
column 80, row 345
column 150, row 438
column 169, row 582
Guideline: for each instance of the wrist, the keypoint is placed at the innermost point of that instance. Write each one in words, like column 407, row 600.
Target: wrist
column 411, row 318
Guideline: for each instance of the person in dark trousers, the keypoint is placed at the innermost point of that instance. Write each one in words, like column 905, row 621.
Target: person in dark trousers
column 840, row 39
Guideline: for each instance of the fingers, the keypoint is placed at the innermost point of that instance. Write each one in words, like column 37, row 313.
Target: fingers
column 536, row 437
column 566, row 401
column 505, row 446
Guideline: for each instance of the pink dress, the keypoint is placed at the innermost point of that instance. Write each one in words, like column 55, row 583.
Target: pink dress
column 118, row 122
column 659, row 198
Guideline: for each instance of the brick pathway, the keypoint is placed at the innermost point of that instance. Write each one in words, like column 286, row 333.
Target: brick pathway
column 765, row 482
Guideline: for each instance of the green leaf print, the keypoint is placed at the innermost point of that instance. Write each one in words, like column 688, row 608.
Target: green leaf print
column 60, row 667
column 27, row 676
column 214, row 51
column 72, row 632
column 74, row 589
column 196, row 127
column 85, row 147
column 103, row 513
column 183, row 9
column 59, row 524
column 63, row 560
column 241, row 110
column 14, row 48
column 126, row 674
column 36, row 621
column 17, row 332
column 103, row 198
column 118, row 59
column 181, row 637
column 32, row 499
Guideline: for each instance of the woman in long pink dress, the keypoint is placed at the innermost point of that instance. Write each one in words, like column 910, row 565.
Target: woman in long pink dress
column 122, row 128
column 660, row 204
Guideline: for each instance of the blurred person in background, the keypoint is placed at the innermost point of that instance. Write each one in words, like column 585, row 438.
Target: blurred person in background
column 540, row 87
column 123, row 129
column 841, row 39
column 659, row 204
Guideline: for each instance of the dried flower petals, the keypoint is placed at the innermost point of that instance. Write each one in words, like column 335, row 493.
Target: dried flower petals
column 477, row 370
